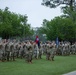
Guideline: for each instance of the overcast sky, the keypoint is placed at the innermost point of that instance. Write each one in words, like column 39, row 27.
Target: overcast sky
column 33, row 8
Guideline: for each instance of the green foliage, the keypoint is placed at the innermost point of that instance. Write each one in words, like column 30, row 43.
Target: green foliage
column 61, row 65
column 64, row 28
column 55, row 3
column 69, row 14
column 12, row 24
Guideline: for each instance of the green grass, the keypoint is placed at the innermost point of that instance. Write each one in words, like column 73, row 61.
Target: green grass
column 61, row 65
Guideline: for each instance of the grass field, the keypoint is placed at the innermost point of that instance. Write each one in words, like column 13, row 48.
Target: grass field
column 61, row 65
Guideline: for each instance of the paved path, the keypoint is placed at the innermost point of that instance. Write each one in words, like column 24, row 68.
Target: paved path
column 71, row 73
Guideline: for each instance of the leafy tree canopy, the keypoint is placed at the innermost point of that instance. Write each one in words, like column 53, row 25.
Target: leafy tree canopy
column 64, row 28
column 12, row 24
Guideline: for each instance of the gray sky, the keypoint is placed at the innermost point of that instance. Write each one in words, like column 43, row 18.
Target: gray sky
column 33, row 8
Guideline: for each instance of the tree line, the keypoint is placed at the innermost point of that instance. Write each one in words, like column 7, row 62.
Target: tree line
column 14, row 25
column 64, row 26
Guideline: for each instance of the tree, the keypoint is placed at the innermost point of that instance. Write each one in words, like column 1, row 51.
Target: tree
column 55, row 3
column 69, row 14
column 12, row 24
column 59, row 27
column 69, row 8
column 4, row 29
column 69, row 11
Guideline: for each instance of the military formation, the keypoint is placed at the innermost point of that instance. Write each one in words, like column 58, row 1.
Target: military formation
column 66, row 48
column 29, row 50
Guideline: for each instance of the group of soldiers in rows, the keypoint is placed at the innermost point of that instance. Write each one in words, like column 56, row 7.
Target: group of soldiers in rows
column 66, row 48
column 10, row 50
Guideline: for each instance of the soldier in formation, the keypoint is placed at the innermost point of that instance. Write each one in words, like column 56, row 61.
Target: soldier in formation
column 10, row 50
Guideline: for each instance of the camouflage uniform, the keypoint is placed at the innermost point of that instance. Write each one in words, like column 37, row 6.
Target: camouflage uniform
column 48, row 52
column 1, row 53
column 36, row 51
column 52, row 52
column 29, row 53
column 12, row 52
column 40, row 52
column 7, row 52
